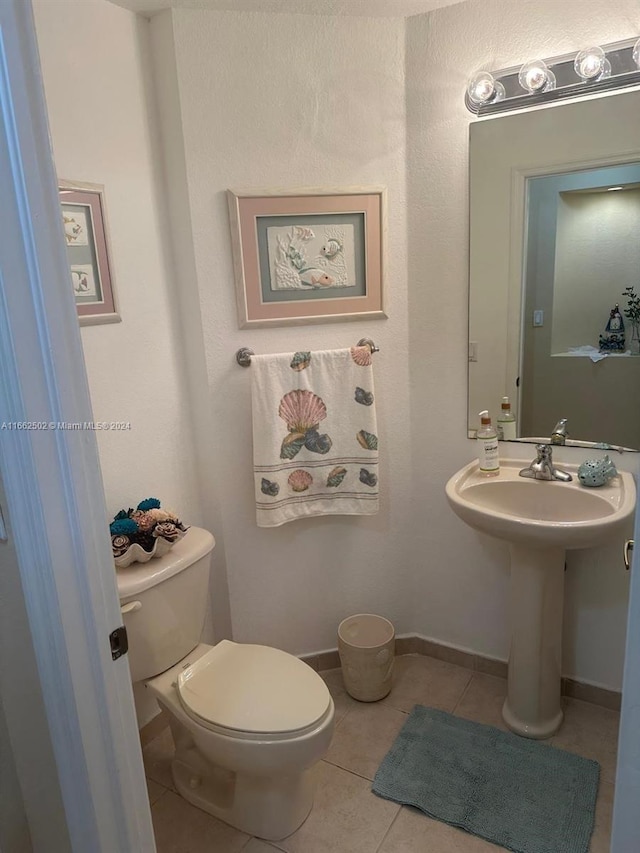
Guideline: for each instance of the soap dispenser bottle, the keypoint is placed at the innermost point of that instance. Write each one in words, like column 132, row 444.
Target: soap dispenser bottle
column 487, row 438
column 506, row 421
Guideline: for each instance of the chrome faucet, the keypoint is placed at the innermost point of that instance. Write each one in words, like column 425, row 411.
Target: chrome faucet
column 560, row 432
column 542, row 468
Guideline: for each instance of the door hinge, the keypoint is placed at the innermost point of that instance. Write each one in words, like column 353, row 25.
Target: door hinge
column 119, row 642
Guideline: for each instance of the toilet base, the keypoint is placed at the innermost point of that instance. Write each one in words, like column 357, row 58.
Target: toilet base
column 267, row 807
column 261, row 785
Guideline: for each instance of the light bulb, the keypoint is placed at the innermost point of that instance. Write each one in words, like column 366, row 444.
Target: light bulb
column 636, row 53
column 484, row 89
column 592, row 64
column 535, row 77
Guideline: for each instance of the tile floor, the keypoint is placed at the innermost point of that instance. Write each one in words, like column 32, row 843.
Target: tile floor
column 347, row 817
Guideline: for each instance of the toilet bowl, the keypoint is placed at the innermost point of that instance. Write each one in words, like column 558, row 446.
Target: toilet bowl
column 248, row 721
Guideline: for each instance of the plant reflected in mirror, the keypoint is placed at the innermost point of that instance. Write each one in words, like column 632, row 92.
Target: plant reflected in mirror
column 632, row 313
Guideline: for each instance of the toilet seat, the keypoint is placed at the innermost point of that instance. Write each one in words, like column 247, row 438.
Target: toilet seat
column 252, row 692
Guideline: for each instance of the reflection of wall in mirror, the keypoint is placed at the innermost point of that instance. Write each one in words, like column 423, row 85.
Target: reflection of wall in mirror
column 582, row 252
column 597, row 256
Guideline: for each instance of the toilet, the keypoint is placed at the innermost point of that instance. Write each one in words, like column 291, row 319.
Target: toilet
column 248, row 721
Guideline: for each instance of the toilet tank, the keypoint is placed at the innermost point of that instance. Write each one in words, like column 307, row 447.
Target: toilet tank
column 164, row 604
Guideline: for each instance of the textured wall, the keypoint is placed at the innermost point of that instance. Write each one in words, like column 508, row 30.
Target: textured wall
column 289, row 101
column 597, row 256
column 294, row 100
column 460, row 591
column 96, row 85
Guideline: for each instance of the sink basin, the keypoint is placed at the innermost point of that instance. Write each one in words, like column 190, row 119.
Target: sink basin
column 538, row 512
column 540, row 520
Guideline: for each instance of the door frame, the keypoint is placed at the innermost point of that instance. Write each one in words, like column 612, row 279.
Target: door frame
column 626, row 815
column 54, row 487
column 52, row 479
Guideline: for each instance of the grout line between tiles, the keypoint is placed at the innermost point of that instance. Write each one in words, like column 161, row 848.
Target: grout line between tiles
column 155, row 802
column 463, row 694
column 343, row 717
column 271, row 844
column 384, row 837
column 352, row 772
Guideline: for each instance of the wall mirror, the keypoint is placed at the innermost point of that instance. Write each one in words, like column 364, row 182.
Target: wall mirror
column 554, row 244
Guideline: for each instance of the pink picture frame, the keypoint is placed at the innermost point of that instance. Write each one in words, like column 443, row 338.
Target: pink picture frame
column 85, row 233
column 308, row 255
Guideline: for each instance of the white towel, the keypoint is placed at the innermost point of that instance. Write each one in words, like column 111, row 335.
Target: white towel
column 315, row 441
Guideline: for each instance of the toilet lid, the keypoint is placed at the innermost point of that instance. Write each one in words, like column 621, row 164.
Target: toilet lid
column 253, row 689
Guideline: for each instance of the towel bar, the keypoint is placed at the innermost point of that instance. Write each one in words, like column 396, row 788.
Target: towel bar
column 243, row 356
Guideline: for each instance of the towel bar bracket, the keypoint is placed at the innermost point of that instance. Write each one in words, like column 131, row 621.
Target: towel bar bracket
column 243, row 356
column 367, row 342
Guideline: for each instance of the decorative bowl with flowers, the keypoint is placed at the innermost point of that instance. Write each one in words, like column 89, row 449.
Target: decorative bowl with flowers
column 138, row 535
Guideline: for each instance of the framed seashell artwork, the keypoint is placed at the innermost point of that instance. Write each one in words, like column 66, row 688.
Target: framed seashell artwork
column 86, row 238
column 308, row 255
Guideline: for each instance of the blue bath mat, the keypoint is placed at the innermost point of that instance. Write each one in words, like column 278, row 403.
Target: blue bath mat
column 519, row 793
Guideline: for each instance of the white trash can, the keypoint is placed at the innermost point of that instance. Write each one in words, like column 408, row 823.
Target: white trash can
column 366, row 644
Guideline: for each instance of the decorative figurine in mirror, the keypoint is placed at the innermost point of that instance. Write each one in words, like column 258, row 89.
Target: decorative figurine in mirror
column 612, row 339
column 596, row 472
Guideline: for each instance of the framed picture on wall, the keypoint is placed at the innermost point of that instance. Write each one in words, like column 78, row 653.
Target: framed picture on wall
column 308, row 255
column 86, row 239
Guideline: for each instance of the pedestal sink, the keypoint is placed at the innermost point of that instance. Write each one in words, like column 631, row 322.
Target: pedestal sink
column 540, row 520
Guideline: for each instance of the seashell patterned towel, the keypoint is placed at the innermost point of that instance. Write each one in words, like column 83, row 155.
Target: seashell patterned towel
column 315, row 440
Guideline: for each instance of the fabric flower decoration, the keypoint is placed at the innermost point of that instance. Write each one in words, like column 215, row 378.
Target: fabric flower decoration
column 144, row 526
column 158, row 514
column 119, row 544
column 149, row 503
column 144, row 520
column 167, row 530
column 123, row 527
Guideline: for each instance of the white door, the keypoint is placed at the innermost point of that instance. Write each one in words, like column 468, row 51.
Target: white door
column 626, row 813
column 53, row 492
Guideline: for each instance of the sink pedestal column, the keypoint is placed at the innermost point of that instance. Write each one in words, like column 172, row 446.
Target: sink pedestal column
column 532, row 707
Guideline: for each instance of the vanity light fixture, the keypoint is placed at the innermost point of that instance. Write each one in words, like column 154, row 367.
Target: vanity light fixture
column 592, row 64
column 483, row 89
column 536, row 77
column 594, row 69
